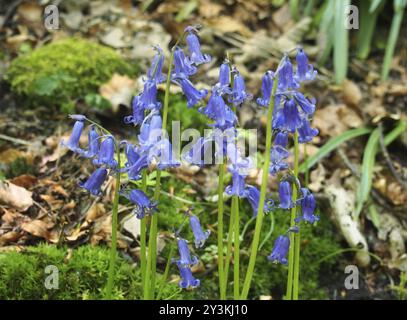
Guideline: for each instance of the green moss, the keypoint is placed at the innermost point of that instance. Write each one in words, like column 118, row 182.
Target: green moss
column 82, row 275
column 63, row 71
column 188, row 117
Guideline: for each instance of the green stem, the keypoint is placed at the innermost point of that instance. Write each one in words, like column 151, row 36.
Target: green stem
column 260, row 212
column 293, row 268
column 113, row 249
column 236, row 248
column 143, row 234
column 391, row 43
column 228, row 249
column 220, row 230
column 166, row 271
column 149, row 285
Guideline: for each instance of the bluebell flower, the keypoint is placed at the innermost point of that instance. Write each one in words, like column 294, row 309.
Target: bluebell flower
column 135, row 162
column 288, row 118
column 155, row 71
column 185, row 259
column 280, row 250
column 281, row 139
column 286, row 76
column 95, row 181
column 224, row 75
column 284, row 192
column 305, row 132
column 162, row 153
column 93, row 143
column 238, row 185
column 307, row 105
column 239, row 93
column 187, row 279
column 148, row 98
column 192, row 94
column 105, row 155
column 196, row 155
column 305, row 71
column 194, row 48
column 266, row 88
column 150, row 132
column 277, row 156
column 199, row 235
column 182, row 68
column 138, row 112
column 143, row 203
column 308, row 206
column 217, row 110
column 253, row 196
column 73, row 142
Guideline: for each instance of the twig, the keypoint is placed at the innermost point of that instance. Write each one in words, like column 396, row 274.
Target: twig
column 14, row 140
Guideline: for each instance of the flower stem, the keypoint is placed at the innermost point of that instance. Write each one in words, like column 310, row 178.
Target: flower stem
column 113, row 248
column 236, row 248
column 220, row 230
column 152, row 244
column 260, row 212
column 143, row 231
column 228, row 249
column 298, row 234
column 292, row 279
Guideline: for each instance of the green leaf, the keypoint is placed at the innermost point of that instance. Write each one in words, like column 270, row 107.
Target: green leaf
column 374, row 5
column 374, row 216
column 368, row 21
column 391, row 43
column 341, row 41
column 369, row 159
column 331, row 145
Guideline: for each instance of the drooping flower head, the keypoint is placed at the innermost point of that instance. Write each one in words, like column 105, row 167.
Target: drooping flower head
column 239, row 93
column 266, row 87
column 155, row 71
column 284, row 192
column 185, row 259
column 182, row 68
column 217, row 110
column 253, row 196
column 148, row 98
column 73, row 142
column 195, row 55
column 288, row 118
column 106, row 152
column 199, row 235
column 187, row 279
column 305, row 132
column 93, row 143
column 138, row 112
column 286, row 76
column 308, row 206
column 197, row 154
column 305, row 71
column 143, row 203
column 192, row 94
column 95, row 181
column 280, row 250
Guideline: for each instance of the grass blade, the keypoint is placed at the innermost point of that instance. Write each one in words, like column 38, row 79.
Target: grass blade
column 368, row 21
column 394, row 33
column 369, row 159
column 294, row 9
column 331, row 145
column 341, row 41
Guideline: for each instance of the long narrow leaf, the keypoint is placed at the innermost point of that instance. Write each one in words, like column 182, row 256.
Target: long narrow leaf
column 394, row 33
column 369, row 158
column 367, row 25
column 341, row 42
column 331, row 145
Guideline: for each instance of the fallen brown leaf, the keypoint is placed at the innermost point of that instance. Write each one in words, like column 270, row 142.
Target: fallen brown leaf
column 15, row 196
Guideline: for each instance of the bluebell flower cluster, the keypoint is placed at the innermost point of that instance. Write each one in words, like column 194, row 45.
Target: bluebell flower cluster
column 293, row 112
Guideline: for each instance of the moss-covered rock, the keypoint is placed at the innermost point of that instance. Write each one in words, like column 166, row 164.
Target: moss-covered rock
column 63, row 71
